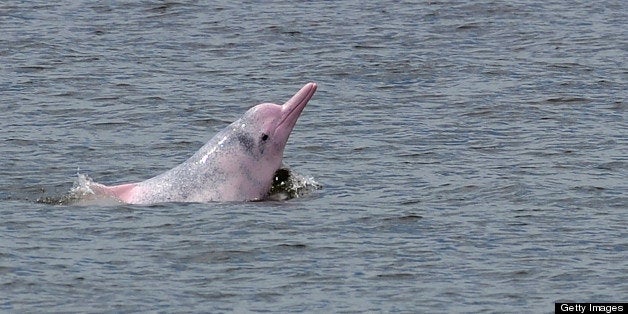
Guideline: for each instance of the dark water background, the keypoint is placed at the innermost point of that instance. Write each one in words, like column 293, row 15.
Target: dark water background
column 473, row 155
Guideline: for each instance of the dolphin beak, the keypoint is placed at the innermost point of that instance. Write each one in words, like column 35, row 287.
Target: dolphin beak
column 291, row 110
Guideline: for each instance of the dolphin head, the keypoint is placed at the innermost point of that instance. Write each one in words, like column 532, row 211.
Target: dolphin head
column 262, row 132
column 264, row 129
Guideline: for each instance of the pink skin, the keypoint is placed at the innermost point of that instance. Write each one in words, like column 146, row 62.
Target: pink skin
column 237, row 164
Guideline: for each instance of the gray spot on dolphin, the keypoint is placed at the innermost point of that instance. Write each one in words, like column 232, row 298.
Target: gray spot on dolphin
column 239, row 163
column 247, row 142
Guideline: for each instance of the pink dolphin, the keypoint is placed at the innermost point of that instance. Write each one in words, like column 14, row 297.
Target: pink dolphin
column 237, row 164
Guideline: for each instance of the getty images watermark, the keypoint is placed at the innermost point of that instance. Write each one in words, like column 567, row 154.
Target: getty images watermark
column 608, row 308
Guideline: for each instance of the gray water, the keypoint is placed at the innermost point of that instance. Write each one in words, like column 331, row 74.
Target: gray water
column 473, row 155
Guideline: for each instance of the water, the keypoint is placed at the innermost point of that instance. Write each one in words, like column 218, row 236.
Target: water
column 472, row 155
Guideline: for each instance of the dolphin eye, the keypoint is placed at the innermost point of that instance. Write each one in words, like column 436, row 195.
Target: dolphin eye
column 264, row 136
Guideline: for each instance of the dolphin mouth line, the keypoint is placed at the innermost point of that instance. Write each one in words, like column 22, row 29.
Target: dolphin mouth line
column 298, row 101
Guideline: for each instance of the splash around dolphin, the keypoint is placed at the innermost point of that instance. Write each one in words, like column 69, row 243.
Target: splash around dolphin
column 237, row 164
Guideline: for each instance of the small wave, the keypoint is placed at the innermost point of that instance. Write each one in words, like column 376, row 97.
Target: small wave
column 81, row 193
column 288, row 184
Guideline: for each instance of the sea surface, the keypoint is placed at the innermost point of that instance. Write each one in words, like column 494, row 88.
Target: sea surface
column 473, row 155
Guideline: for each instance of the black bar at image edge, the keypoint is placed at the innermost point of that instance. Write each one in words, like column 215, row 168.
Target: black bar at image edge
column 583, row 307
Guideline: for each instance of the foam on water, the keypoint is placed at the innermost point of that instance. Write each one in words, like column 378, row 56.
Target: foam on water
column 81, row 193
column 288, row 184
